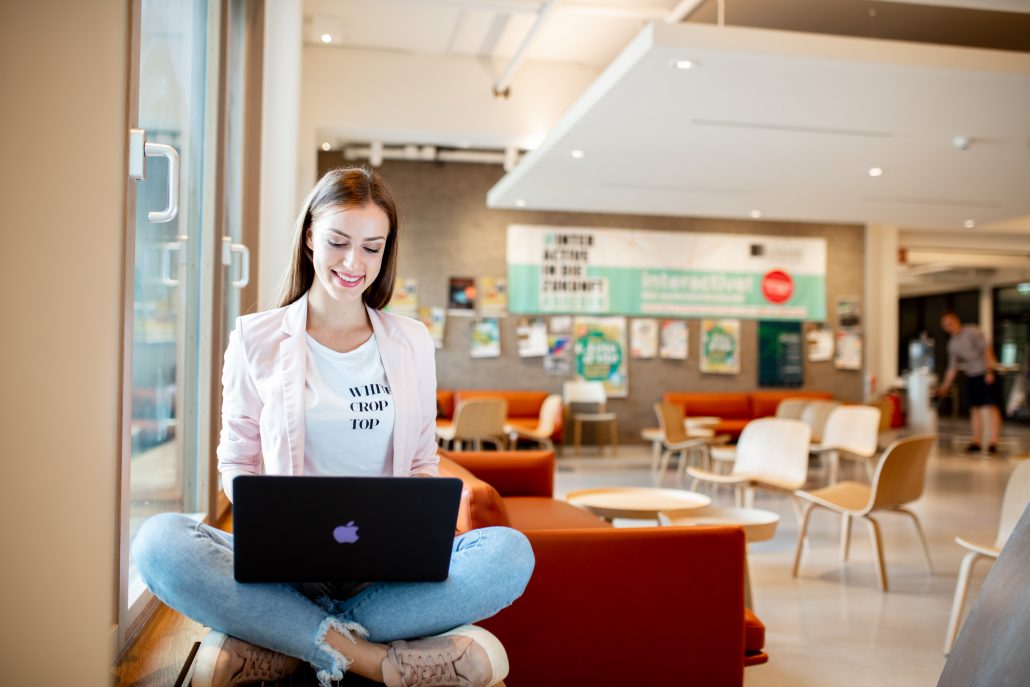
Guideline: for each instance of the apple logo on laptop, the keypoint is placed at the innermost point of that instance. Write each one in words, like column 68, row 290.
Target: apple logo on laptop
column 346, row 534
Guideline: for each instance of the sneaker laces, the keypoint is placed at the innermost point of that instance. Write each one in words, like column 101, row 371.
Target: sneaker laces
column 261, row 664
column 430, row 670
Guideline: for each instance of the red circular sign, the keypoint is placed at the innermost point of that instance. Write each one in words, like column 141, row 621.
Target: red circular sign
column 777, row 286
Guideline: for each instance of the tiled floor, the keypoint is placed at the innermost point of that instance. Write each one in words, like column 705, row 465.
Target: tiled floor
column 832, row 625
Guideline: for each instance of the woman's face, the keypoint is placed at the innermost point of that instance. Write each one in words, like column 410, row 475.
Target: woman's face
column 347, row 246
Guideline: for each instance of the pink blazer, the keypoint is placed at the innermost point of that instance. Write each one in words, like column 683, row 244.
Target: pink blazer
column 263, row 393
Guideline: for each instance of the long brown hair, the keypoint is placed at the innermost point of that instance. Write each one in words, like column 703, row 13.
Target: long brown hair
column 345, row 187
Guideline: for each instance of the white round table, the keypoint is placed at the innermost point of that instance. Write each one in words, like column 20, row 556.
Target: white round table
column 635, row 502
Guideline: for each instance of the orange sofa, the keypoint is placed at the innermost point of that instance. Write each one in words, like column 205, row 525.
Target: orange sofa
column 523, row 406
column 736, row 409
column 610, row 607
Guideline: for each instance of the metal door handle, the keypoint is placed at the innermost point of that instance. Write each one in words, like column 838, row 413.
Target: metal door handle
column 139, row 150
column 228, row 248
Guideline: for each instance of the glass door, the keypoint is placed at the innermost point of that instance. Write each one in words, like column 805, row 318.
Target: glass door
column 173, row 158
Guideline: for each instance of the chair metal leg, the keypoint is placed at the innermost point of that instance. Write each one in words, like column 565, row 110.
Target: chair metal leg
column 961, row 590
column 922, row 536
column 656, row 455
column 877, row 541
column 845, row 537
column 806, row 514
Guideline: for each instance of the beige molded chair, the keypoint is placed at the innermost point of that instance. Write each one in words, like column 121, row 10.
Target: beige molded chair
column 772, row 453
column 1017, row 495
column 550, row 411
column 477, row 420
column 852, row 431
column 898, row 480
column 579, row 393
column 815, row 415
column 675, row 440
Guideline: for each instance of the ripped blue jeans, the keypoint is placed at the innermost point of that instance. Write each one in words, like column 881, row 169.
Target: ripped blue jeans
column 189, row 566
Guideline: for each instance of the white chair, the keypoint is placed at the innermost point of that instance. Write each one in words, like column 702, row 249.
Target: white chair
column 550, row 411
column 815, row 415
column 853, row 430
column 675, row 440
column 477, row 420
column 898, row 480
column 792, row 408
column 772, row 453
column 589, row 393
column 1017, row 495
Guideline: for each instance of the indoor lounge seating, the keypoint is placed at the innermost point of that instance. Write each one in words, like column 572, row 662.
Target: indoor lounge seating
column 524, row 407
column 683, row 614
column 736, row 409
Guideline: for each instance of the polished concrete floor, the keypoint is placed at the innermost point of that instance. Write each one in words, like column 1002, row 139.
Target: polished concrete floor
column 832, row 624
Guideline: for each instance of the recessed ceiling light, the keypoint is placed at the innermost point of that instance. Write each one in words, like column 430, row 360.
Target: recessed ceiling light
column 755, row 214
column 969, row 224
column 578, row 154
column 326, row 146
column 876, row 171
column 520, row 203
column 684, row 64
column 326, row 38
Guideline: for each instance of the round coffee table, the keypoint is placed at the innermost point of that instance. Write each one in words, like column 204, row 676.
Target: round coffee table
column 758, row 525
column 642, row 503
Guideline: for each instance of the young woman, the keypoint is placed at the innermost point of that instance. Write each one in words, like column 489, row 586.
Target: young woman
column 286, row 410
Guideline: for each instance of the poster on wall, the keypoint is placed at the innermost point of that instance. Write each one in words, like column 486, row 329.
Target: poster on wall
column 780, row 361
column 674, row 340
column 820, row 343
column 599, row 344
column 849, row 314
column 558, row 361
column 405, row 297
column 665, row 273
column 720, row 346
column 485, row 340
column 643, row 339
column 532, row 336
column 461, row 296
column 435, row 319
column 849, row 350
column 492, row 296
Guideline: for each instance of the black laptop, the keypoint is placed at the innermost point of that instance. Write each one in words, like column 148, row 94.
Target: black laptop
column 343, row 529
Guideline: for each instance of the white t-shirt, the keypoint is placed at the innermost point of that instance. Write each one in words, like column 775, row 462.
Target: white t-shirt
column 349, row 413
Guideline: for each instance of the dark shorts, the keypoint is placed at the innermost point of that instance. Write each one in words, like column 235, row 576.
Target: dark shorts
column 980, row 393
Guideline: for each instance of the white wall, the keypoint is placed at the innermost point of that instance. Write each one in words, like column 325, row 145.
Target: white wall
column 63, row 73
column 280, row 107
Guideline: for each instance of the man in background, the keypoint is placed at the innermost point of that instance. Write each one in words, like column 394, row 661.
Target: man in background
column 967, row 348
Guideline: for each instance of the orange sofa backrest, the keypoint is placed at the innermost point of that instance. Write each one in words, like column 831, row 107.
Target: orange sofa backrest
column 734, row 405
column 445, row 403
column 520, row 403
column 763, row 403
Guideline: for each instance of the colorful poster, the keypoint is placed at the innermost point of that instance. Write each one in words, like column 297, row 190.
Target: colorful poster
column 720, row 346
column 849, row 350
column 492, row 295
column 849, row 312
column 405, row 297
column 820, row 343
column 600, row 349
column 665, row 273
column 780, row 362
column 532, row 335
column 674, row 340
column 643, row 338
column 558, row 361
column 461, row 295
column 486, row 338
column 435, row 319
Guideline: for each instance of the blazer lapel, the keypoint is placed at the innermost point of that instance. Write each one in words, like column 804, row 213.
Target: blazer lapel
column 293, row 360
column 392, row 352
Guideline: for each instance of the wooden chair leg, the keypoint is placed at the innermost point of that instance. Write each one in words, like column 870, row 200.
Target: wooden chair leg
column 845, row 537
column 577, row 434
column 663, row 465
column 961, row 590
column 806, row 515
column 615, row 437
column 877, row 542
column 922, row 536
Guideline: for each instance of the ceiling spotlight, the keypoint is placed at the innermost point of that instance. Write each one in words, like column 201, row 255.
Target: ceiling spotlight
column 578, row 154
column 969, row 224
column 684, row 64
column 326, row 146
column 520, row 203
column 326, row 38
column 961, row 142
column 755, row 214
column 876, row 171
